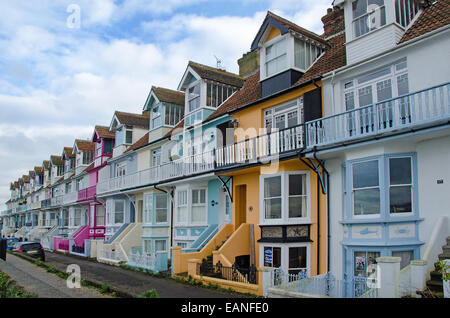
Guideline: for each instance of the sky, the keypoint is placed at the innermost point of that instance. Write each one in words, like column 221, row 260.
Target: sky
column 66, row 65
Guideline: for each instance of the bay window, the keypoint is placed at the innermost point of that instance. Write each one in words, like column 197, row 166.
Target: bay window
column 285, row 197
column 381, row 187
column 160, row 245
column 191, row 206
column 291, row 258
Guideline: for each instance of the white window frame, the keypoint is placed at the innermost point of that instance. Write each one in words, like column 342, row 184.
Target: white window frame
column 114, row 212
column 368, row 14
column 188, row 219
column 264, row 55
column 127, row 129
column 354, row 86
column 198, row 83
column 271, row 113
column 156, row 208
column 285, row 254
column 285, row 219
column 154, row 118
column 121, row 169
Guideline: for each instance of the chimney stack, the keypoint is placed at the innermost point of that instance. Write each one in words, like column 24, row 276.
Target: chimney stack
column 333, row 22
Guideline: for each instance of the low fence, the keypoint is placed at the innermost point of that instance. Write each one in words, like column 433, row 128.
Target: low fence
column 325, row 285
column 236, row 274
column 155, row 262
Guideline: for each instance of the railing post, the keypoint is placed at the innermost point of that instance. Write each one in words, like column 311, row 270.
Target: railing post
column 267, row 279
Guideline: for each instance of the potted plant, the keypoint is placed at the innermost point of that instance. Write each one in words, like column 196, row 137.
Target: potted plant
column 444, row 269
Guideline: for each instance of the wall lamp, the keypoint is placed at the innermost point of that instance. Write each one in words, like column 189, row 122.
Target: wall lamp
column 213, row 203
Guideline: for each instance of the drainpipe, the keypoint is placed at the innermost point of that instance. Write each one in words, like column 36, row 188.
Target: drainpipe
column 328, row 206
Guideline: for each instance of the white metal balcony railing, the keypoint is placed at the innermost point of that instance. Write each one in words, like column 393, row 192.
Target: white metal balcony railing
column 415, row 110
column 57, row 200
column 422, row 108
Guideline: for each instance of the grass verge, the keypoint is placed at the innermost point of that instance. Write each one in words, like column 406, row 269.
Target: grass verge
column 9, row 288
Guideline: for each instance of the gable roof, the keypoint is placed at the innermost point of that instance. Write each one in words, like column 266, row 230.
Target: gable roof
column 38, row 170
column 56, row 160
column 84, row 145
column 433, row 17
column 25, row 179
column 284, row 26
column 168, row 95
column 46, row 164
column 139, row 120
column 31, row 174
column 67, row 152
column 103, row 132
column 216, row 75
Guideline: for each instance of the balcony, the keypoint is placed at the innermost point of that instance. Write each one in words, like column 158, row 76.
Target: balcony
column 421, row 109
column 70, row 197
column 274, row 145
column 87, row 194
column 57, row 201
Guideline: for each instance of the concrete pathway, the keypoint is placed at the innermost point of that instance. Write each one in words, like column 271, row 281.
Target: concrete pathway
column 37, row 280
column 132, row 283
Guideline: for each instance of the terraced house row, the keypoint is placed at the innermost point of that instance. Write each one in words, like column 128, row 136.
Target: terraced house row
column 325, row 156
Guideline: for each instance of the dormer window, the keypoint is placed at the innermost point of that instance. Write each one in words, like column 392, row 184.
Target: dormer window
column 216, row 93
column 99, row 148
column 368, row 15
column 276, row 57
column 305, row 54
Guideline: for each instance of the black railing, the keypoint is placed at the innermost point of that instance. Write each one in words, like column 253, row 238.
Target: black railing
column 234, row 273
column 78, row 249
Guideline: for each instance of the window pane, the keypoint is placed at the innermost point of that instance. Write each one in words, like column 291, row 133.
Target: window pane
column 400, row 171
column 198, row 214
column 349, row 101
column 276, row 257
column 128, row 137
column 400, row 199
column 160, row 245
column 272, row 187
column 272, row 208
column 292, row 119
column 161, row 202
column 297, row 207
column 365, row 174
column 384, row 90
column 365, row 96
column 297, row 184
column 402, row 84
column 297, row 257
column 366, row 202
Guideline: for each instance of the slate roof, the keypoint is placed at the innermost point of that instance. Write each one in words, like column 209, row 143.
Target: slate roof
column 139, row 120
column 434, row 16
column 217, row 75
column 103, row 132
column 168, row 95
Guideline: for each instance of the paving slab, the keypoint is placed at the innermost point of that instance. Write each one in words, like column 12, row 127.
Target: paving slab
column 37, row 280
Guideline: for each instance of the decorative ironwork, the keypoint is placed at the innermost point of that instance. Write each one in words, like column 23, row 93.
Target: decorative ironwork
column 234, row 273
